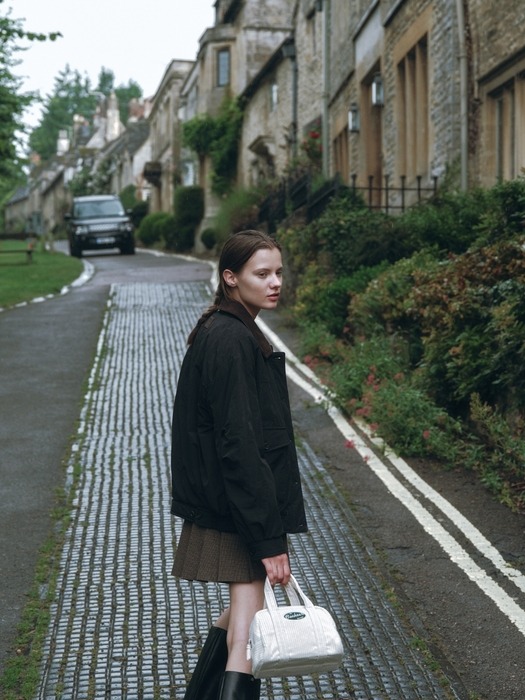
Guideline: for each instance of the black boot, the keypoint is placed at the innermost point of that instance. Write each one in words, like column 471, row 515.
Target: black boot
column 208, row 672
column 239, row 686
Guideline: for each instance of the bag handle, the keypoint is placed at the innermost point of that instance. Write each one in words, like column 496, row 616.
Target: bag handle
column 293, row 591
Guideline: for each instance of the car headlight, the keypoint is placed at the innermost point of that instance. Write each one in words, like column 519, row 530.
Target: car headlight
column 80, row 230
column 126, row 227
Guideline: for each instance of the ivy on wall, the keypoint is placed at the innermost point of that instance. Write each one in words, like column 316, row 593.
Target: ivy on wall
column 217, row 137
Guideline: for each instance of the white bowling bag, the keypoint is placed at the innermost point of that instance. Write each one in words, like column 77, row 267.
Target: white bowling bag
column 293, row 640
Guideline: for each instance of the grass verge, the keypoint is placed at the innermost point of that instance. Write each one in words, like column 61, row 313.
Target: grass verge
column 47, row 273
column 21, row 675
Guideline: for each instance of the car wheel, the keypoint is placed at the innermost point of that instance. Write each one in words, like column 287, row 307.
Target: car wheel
column 75, row 250
column 128, row 248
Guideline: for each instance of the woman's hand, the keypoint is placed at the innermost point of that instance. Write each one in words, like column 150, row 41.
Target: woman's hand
column 277, row 569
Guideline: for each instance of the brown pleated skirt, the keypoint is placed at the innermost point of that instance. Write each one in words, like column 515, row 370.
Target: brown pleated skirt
column 210, row 555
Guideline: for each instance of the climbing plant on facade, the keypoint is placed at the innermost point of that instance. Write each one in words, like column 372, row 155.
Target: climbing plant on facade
column 217, row 137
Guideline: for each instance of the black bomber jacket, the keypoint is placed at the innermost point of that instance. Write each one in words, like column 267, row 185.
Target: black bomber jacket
column 234, row 464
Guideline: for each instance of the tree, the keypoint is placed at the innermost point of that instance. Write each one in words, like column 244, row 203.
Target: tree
column 124, row 93
column 12, row 101
column 72, row 95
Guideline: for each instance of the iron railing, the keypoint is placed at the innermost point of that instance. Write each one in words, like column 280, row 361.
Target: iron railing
column 389, row 198
column 292, row 195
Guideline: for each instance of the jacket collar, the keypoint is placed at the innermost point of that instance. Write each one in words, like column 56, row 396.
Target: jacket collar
column 235, row 308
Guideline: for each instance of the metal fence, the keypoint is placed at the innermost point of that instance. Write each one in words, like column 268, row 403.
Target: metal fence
column 389, row 197
column 293, row 195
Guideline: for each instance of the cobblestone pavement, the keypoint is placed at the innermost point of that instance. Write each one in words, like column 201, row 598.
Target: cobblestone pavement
column 121, row 625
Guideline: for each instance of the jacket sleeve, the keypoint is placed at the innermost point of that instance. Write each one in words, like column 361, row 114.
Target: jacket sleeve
column 248, row 479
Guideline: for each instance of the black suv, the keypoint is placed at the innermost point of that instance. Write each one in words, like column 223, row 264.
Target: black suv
column 99, row 221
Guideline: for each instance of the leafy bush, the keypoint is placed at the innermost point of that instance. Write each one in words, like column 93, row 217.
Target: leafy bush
column 356, row 237
column 209, row 238
column 138, row 212
column 128, row 197
column 371, row 379
column 188, row 203
column 504, row 214
column 472, row 316
column 447, row 222
column 385, row 307
column 150, row 230
column 324, row 300
column 499, row 454
column 238, row 212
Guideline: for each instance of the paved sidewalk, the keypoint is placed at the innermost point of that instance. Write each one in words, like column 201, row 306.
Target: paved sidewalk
column 121, row 626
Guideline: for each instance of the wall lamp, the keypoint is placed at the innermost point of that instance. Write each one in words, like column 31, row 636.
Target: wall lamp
column 378, row 93
column 353, row 118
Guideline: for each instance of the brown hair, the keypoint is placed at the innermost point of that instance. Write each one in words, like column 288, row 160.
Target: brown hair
column 235, row 253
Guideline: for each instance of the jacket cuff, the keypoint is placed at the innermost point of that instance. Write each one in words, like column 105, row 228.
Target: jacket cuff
column 268, row 548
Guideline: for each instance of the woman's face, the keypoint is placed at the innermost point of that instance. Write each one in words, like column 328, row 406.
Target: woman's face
column 258, row 285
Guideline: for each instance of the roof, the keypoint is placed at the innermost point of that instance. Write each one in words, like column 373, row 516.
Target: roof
column 19, row 195
column 134, row 136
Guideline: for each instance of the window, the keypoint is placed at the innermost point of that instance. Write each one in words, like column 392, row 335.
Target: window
column 502, row 139
column 505, row 132
column 341, row 164
column 413, row 111
column 274, row 96
column 223, row 67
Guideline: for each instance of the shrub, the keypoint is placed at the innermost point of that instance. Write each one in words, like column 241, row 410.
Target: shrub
column 167, row 228
column 447, row 222
column 188, row 203
column 238, row 212
column 385, row 307
column 150, row 230
column 138, row 212
column 209, row 238
column 504, row 215
column 354, row 237
column 499, row 454
column 324, row 300
column 472, row 316
column 128, row 197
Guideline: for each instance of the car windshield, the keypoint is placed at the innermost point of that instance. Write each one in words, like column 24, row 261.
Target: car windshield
column 94, row 209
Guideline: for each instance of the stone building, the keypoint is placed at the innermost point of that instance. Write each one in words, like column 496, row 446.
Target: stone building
column 162, row 171
column 496, row 90
column 231, row 54
column 403, row 92
column 127, row 156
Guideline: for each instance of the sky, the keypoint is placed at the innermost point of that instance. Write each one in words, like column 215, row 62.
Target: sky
column 136, row 39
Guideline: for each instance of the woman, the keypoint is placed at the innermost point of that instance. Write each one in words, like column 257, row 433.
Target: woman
column 235, row 476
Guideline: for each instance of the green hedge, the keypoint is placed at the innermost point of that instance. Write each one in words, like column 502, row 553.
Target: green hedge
column 188, row 204
column 151, row 229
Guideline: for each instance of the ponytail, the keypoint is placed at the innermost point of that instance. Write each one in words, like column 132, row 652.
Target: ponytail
column 209, row 312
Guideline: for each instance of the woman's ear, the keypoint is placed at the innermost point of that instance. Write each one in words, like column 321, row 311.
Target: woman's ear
column 230, row 278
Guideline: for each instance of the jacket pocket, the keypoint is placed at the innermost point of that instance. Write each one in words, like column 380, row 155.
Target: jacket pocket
column 275, row 438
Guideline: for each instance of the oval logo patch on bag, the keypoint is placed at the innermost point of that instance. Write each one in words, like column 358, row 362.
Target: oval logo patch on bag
column 295, row 616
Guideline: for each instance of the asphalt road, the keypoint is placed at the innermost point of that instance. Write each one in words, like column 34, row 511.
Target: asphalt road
column 47, row 350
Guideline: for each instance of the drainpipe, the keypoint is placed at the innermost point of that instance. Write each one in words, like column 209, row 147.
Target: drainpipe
column 290, row 52
column 463, row 89
column 295, row 101
column 327, row 20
